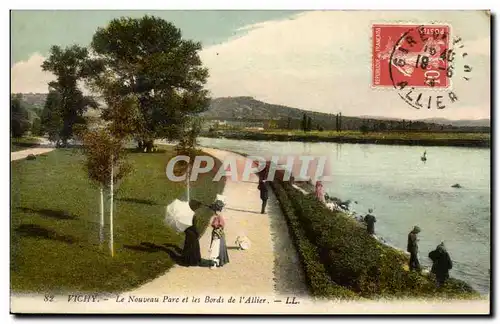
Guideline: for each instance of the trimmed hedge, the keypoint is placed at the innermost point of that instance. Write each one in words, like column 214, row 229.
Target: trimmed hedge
column 359, row 262
column 317, row 278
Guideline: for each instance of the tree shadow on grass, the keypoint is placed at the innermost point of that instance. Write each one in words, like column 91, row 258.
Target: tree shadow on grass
column 174, row 247
column 138, row 201
column 172, row 250
column 32, row 230
column 58, row 214
column 146, row 247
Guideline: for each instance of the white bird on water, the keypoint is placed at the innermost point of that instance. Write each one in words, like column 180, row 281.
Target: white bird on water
column 423, row 157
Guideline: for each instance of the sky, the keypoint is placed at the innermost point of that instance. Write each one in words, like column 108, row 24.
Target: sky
column 313, row 60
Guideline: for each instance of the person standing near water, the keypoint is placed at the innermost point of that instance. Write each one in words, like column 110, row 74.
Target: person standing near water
column 370, row 222
column 264, row 194
column 441, row 264
column 320, row 191
column 413, row 249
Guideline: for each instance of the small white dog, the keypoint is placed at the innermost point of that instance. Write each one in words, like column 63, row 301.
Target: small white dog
column 243, row 243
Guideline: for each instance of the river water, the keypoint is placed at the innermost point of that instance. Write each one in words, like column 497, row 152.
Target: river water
column 404, row 191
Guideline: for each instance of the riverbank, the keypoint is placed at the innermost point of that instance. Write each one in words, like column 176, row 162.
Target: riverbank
column 355, row 260
column 341, row 261
column 386, row 138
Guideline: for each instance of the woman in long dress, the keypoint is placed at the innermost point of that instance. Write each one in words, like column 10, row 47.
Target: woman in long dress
column 218, row 247
column 191, row 254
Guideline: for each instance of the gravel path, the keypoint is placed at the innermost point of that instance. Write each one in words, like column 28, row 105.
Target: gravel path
column 24, row 153
column 45, row 146
column 270, row 268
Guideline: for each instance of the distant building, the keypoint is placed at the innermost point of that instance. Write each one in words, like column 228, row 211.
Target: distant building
column 225, row 124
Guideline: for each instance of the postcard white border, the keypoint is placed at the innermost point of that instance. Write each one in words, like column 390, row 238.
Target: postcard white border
column 200, row 4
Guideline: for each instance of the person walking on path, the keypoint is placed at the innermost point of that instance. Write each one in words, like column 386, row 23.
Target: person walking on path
column 191, row 254
column 264, row 194
column 218, row 247
column 441, row 264
column 370, row 222
column 320, row 191
column 413, row 249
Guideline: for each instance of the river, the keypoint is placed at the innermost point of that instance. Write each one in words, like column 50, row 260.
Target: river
column 404, row 191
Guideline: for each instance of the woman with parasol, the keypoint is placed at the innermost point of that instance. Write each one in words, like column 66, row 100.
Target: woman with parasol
column 181, row 218
column 191, row 254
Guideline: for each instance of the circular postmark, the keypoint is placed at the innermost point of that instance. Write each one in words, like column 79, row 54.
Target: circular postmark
column 423, row 63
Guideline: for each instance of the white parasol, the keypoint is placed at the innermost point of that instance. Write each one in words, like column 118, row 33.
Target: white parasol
column 243, row 242
column 179, row 215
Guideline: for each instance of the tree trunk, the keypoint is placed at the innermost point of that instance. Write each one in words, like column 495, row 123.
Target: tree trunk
column 101, row 223
column 111, row 242
column 149, row 146
column 188, row 193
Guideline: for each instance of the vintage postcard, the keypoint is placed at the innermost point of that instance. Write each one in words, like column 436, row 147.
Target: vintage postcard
column 250, row 162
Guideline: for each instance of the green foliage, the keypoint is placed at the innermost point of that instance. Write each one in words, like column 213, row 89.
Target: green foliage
column 309, row 124
column 148, row 59
column 338, row 122
column 304, row 122
column 52, row 122
column 318, row 280
column 23, row 143
column 65, row 103
column 357, row 261
column 102, row 151
column 36, row 127
column 19, row 121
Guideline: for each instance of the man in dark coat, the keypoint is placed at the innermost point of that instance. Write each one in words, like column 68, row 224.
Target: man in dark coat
column 413, row 249
column 441, row 264
column 264, row 194
column 370, row 222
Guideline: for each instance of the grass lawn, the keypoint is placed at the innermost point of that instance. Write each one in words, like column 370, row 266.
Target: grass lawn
column 55, row 224
column 23, row 143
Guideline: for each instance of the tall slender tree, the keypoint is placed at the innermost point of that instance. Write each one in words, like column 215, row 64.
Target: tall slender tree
column 148, row 58
column 105, row 160
column 309, row 124
column 188, row 146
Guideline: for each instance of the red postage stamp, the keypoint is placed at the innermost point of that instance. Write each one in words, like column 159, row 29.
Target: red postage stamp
column 411, row 55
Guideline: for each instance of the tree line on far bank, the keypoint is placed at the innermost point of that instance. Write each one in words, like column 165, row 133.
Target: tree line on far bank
column 337, row 122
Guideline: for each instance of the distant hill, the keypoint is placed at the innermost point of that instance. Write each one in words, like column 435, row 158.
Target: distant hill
column 248, row 108
column 34, row 100
column 460, row 123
